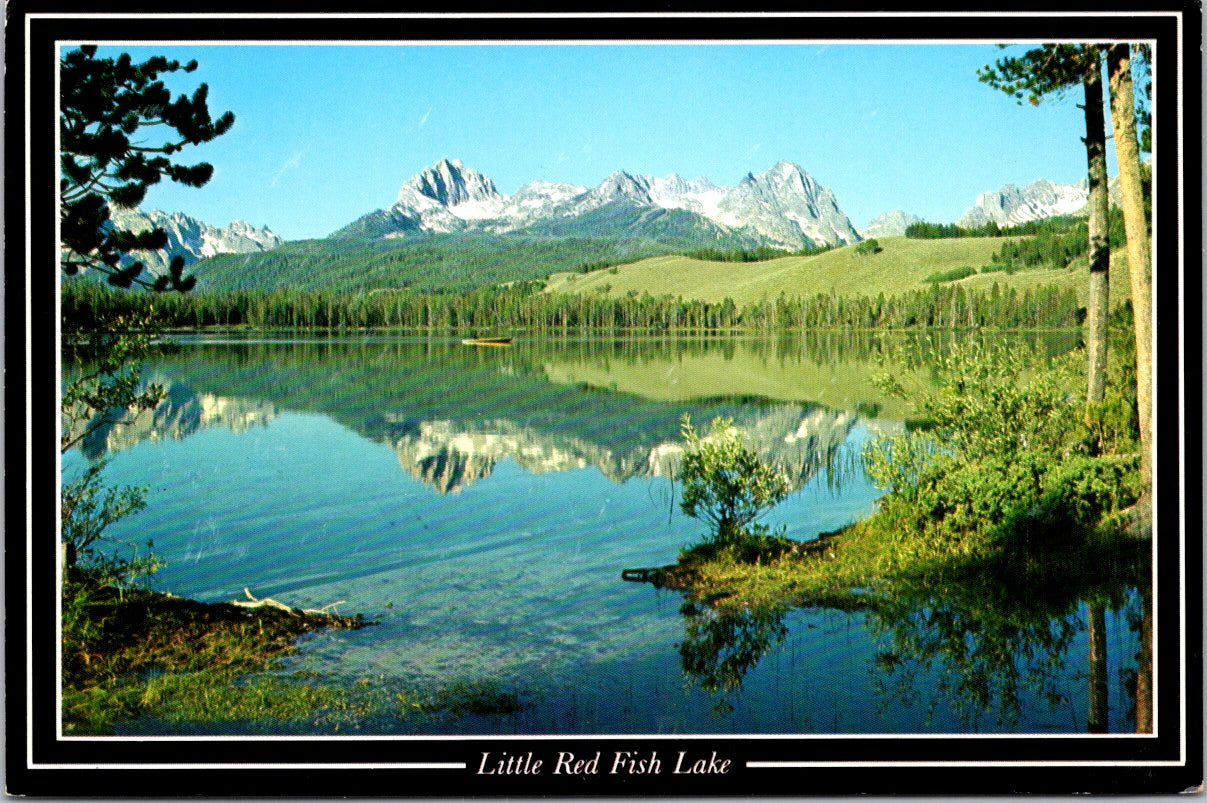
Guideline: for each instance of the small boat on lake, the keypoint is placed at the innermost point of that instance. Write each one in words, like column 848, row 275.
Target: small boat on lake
column 487, row 341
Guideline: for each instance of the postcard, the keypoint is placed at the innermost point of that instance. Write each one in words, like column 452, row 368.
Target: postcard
column 689, row 404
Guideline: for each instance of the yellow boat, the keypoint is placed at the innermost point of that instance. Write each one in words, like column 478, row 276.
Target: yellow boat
column 487, row 341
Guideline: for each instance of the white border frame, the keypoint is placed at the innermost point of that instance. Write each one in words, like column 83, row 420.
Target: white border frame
column 29, row 249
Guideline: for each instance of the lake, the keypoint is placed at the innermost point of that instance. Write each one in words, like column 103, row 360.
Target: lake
column 481, row 503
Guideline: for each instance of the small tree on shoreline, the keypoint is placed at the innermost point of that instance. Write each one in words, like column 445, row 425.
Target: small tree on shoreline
column 725, row 483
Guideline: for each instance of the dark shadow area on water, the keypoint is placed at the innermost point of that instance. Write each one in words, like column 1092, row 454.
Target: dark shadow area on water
column 996, row 641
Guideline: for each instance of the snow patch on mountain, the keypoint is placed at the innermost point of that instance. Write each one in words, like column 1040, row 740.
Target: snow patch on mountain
column 448, row 193
column 1041, row 199
column 191, row 238
column 783, row 206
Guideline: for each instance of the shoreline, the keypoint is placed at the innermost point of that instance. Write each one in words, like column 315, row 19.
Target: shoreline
column 120, row 643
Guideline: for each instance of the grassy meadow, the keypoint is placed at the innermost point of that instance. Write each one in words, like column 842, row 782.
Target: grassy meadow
column 900, row 266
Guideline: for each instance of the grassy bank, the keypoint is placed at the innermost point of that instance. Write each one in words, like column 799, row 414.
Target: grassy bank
column 867, row 563
column 152, row 662
column 133, row 652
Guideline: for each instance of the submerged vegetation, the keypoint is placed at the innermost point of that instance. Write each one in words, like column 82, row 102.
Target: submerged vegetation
column 128, row 651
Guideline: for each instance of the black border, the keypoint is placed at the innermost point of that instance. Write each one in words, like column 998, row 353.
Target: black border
column 1178, row 124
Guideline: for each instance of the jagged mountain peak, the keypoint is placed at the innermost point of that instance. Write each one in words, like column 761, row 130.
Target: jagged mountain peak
column 783, row 206
column 678, row 185
column 788, row 207
column 622, row 184
column 783, row 177
column 782, row 172
column 191, row 238
column 449, row 183
column 889, row 224
column 787, row 169
column 1010, row 205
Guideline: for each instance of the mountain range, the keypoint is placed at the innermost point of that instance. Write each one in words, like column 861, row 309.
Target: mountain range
column 1041, row 199
column 451, row 229
column 783, row 207
column 191, row 238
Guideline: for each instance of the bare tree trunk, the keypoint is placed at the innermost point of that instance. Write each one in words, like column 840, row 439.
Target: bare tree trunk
column 1139, row 258
column 1144, row 669
column 1099, row 245
column 1098, row 718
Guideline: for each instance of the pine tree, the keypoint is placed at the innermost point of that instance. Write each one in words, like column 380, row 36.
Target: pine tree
column 107, row 106
column 1051, row 70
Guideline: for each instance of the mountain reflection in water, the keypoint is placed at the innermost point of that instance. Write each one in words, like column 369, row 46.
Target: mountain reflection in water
column 451, row 415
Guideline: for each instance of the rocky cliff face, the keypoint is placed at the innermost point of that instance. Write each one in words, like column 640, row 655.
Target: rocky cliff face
column 1041, row 199
column 788, row 207
column 890, row 224
column 532, row 202
column 192, row 238
column 447, row 194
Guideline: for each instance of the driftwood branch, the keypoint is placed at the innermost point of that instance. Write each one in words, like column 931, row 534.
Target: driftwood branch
column 268, row 602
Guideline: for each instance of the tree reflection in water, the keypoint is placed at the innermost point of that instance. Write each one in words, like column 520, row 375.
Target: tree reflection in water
column 720, row 646
column 984, row 640
column 1001, row 630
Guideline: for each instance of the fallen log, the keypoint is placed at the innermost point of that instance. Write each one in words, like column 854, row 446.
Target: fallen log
column 637, row 575
column 269, row 602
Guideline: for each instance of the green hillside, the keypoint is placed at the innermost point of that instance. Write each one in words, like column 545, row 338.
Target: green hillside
column 902, row 265
column 383, row 250
column 443, row 262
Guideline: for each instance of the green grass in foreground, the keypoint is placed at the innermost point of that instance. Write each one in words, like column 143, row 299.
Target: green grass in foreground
column 825, row 571
column 902, row 265
column 154, row 658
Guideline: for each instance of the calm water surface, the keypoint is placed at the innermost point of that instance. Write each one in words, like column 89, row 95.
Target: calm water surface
column 480, row 504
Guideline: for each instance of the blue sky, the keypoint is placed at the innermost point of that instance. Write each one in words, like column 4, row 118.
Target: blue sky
column 326, row 133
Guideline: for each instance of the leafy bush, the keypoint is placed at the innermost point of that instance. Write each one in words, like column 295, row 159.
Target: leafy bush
column 868, row 247
column 953, row 275
column 88, row 509
column 1006, row 451
column 725, row 483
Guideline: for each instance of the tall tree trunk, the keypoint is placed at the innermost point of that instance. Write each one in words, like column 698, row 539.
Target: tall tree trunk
column 1098, row 719
column 1099, row 245
column 1139, row 258
column 1144, row 668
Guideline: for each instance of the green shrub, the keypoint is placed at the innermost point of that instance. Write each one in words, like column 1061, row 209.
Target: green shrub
column 1006, row 452
column 953, row 275
column 725, row 483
